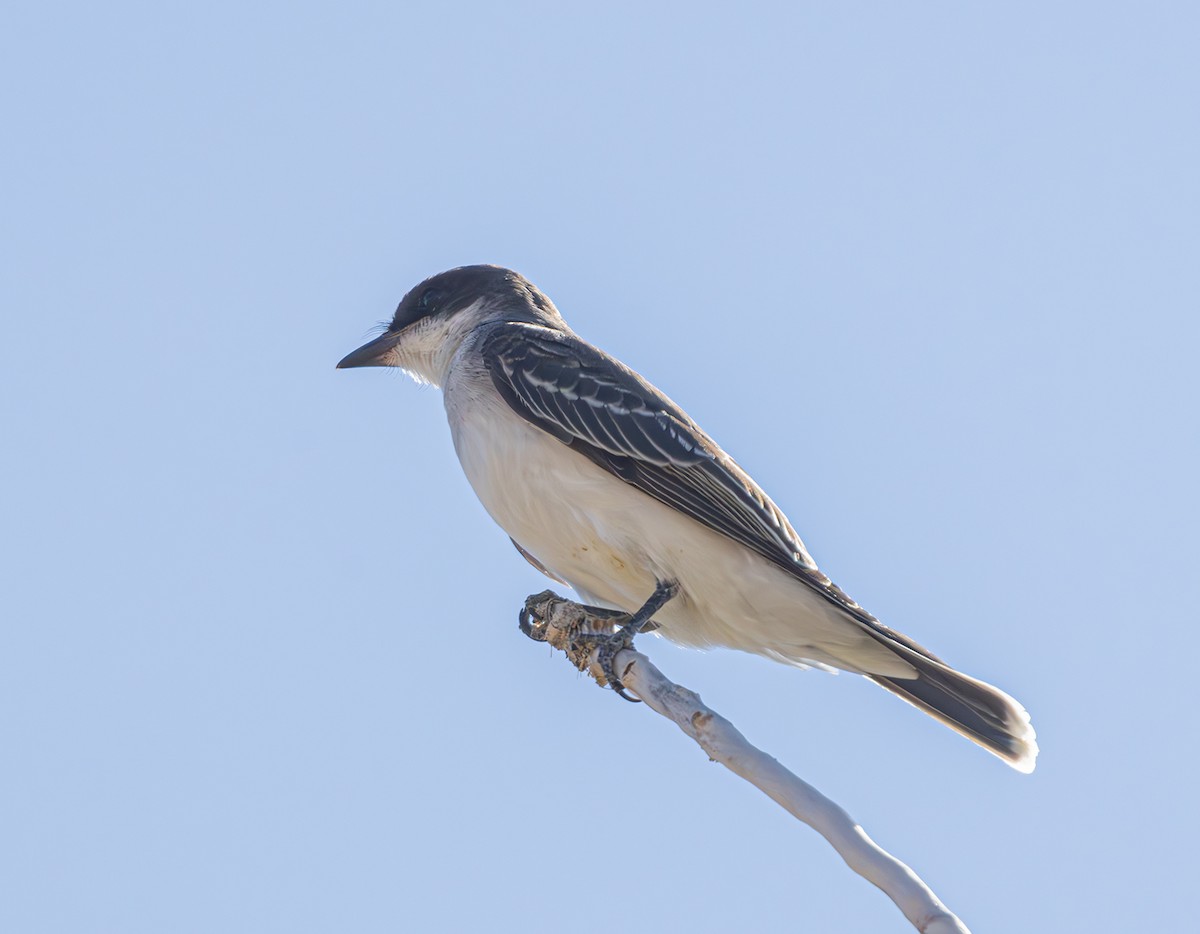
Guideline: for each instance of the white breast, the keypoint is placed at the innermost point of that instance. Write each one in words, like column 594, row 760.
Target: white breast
column 568, row 513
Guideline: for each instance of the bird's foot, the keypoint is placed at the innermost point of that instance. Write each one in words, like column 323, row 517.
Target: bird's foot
column 580, row 637
column 607, row 646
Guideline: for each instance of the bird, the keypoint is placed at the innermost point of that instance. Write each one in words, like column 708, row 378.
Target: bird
column 605, row 484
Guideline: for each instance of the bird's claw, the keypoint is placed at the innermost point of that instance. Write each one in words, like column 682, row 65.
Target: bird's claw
column 606, row 655
column 528, row 619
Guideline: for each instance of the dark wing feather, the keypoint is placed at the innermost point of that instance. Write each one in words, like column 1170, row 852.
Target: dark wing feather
column 616, row 419
column 610, row 415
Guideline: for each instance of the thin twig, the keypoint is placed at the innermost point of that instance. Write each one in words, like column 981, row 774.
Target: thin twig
column 550, row 618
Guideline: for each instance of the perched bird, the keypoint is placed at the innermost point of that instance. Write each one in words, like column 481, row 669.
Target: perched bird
column 605, row 484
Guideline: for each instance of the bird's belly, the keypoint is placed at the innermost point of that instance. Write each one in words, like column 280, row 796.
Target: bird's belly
column 612, row 543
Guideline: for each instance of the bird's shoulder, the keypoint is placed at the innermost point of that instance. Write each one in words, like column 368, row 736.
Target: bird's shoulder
column 578, row 392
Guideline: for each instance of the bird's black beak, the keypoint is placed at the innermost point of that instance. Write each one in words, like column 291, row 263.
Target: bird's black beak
column 375, row 353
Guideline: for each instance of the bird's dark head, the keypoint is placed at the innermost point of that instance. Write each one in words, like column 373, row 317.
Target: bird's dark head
column 433, row 318
column 457, row 289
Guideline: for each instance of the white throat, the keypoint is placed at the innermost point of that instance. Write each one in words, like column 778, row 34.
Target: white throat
column 427, row 347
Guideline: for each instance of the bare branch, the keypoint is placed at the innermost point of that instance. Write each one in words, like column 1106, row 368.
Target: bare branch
column 550, row 618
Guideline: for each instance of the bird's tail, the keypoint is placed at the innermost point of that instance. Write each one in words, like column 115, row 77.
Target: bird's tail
column 980, row 712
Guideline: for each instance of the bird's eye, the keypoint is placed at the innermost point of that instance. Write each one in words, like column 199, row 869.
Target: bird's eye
column 428, row 302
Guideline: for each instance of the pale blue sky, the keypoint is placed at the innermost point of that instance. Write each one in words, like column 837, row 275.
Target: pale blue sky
column 928, row 271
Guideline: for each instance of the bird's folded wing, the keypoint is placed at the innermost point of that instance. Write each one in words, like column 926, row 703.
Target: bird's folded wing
column 609, row 414
column 616, row 419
